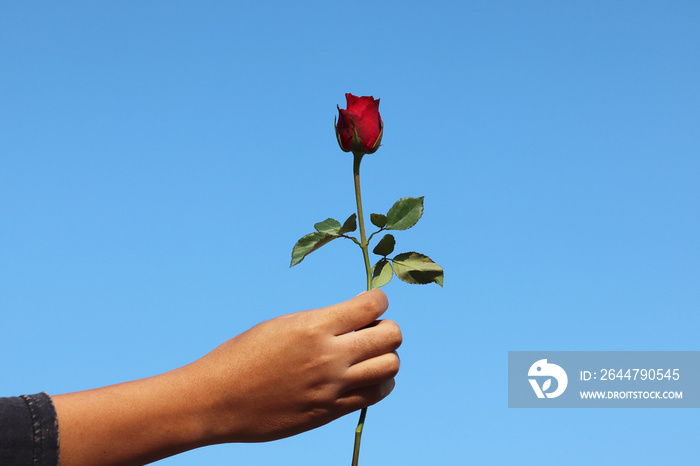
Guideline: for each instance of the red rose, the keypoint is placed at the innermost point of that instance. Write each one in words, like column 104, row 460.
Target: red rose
column 359, row 128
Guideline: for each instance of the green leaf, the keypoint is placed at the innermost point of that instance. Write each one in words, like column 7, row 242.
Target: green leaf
column 378, row 220
column 329, row 225
column 404, row 213
column 349, row 225
column 417, row 269
column 381, row 273
column 308, row 244
column 385, row 245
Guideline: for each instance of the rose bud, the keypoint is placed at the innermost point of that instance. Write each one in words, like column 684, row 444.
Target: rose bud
column 359, row 128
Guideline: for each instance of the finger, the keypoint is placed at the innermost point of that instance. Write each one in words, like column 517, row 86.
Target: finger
column 380, row 338
column 357, row 312
column 366, row 396
column 372, row 371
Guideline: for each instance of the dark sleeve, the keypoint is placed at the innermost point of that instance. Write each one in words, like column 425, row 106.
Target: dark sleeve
column 28, row 431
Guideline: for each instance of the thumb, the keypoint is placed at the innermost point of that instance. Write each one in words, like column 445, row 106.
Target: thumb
column 357, row 312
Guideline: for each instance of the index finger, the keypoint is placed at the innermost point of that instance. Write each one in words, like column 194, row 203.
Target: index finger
column 357, row 312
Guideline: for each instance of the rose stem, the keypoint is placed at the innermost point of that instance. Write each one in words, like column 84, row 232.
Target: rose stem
column 364, row 245
column 360, row 218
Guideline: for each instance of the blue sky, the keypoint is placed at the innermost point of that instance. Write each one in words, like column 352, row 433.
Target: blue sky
column 158, row 160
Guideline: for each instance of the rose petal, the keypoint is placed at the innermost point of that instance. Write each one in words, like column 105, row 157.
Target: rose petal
column 362, row 114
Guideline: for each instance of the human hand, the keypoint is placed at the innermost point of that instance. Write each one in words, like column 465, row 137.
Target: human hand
column 299, row 371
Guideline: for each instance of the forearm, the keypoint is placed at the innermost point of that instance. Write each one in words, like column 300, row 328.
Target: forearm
column 132, row 423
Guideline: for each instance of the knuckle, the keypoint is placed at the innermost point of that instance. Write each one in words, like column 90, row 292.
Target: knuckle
column 393, row 365
column 393, row 332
